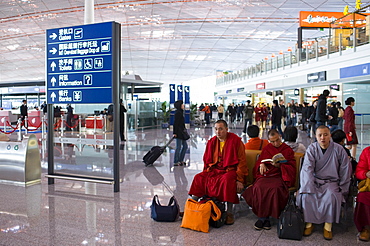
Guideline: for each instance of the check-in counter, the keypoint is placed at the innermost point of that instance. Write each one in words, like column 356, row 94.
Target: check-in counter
column 7, row 115
column 20, row 162
column 34, row 118
column 94, row 122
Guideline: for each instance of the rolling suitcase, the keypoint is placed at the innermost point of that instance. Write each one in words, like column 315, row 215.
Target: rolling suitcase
column 154, row 153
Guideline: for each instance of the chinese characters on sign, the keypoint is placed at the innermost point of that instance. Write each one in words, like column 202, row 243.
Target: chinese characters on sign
column 79, row 64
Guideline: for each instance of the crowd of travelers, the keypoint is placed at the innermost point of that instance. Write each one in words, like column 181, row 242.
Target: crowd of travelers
column 328, row 169
column 305, row 116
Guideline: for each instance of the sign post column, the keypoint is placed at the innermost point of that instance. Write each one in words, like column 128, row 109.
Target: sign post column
column 82, row 67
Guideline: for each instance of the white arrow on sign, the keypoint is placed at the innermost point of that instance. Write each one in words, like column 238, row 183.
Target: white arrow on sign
column 53, row 96
column 53, row 51
column 53, row 36
column 53, row 80
column 53, row 66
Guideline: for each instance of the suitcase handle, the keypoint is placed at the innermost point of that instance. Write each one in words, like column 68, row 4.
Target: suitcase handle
column 169, row 142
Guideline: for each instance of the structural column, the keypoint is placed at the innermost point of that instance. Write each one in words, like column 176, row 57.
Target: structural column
column 89, row 12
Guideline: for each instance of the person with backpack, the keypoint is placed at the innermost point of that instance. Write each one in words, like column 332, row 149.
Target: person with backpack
column 340, row 115
column 333, row 117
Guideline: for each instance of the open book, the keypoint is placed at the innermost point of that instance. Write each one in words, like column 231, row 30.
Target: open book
column 271, row 160
column 278, row 158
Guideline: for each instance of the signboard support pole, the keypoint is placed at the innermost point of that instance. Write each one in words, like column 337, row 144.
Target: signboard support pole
column 116, row 93
column 50, row 141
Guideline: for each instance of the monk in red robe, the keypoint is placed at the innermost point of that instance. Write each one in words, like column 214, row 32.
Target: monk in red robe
column 269, row 193
column 225, row 169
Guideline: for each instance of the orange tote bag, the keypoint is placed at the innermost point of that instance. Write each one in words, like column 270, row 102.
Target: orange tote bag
column 197, row 215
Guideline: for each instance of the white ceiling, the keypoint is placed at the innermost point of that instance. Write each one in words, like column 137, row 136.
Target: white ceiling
column 164, row 41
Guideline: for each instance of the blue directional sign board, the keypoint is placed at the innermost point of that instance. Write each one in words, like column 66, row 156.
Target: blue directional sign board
column 80, row 64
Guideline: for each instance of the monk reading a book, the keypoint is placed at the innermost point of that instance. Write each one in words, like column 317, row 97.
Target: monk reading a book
column 274, row 173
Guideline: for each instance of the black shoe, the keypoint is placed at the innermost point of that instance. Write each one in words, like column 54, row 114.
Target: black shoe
column 258, row 225
column 267, row 225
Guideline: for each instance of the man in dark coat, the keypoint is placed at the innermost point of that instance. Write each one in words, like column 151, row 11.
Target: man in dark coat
column 24, row 109
column 321, row 116
column 276, row 117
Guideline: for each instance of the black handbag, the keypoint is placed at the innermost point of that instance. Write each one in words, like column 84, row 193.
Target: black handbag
column 221, row 206
column 185, row 134
column 291, row 222
column 167, row 213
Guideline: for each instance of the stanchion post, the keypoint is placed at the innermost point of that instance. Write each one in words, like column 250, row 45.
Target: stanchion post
column 4, row 121
column 94, row 124
column 79, row 125
column 19, row 129
column 43, row 127
column 62, row 125
column 25, row 125
column 104, row 122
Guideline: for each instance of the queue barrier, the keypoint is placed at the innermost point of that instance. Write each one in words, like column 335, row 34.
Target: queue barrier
column 363, row 122
column 20, row 162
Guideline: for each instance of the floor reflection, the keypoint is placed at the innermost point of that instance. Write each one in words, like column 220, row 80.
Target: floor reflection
column 88, row 211
column 79, row 213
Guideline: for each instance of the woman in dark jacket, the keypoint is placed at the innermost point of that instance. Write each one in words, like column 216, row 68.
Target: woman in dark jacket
column 178, row 129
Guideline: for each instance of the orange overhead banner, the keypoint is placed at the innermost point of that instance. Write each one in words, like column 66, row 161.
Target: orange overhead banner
column 317, row 19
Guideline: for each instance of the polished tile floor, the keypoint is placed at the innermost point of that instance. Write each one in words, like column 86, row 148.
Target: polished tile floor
column 81, row 213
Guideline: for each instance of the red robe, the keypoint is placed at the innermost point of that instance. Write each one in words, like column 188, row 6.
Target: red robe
column 257, row 115
column 349, row 124
column 269, row 193
column 362, row 210
column 221, row 170
column 264, row 114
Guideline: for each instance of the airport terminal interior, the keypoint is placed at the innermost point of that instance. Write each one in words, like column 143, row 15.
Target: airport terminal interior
column 67, row 177
column 83, row 213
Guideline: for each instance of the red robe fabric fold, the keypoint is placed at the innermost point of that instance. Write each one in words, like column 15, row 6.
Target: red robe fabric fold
column 269, row 193
column 362, row 210
column 221, row 171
